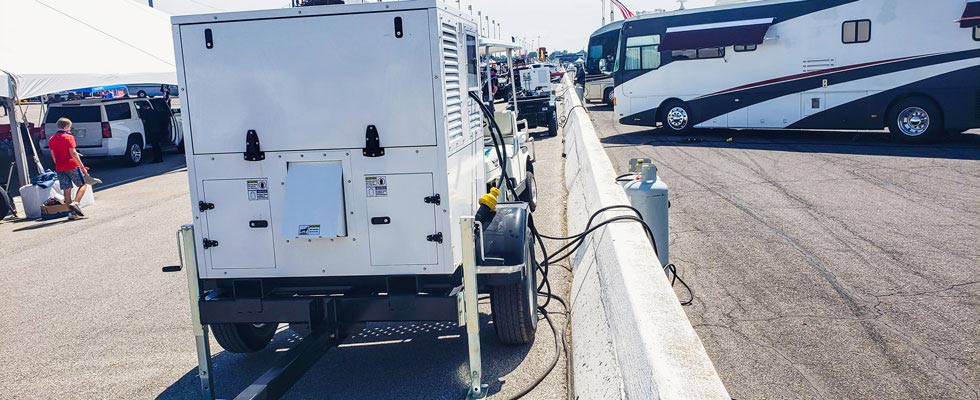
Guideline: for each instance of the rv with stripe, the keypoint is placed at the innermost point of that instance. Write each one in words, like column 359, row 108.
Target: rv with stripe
column 600, row 58
column 906, row 65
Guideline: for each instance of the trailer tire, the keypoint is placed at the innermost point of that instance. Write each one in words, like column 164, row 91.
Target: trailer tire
column 915, row 120
column 530, row 193
column 676, row 117
column 244, row 338
column 514, row 306
column 553, row 123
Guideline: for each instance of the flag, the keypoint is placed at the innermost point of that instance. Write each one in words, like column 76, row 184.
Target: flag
column 622, row 8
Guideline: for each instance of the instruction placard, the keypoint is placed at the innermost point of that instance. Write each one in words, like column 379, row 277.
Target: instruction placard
column 377, row 186
column 309, row 230
column 258, row 189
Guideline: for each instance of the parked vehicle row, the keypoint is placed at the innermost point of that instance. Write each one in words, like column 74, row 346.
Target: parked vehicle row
column 114, row 127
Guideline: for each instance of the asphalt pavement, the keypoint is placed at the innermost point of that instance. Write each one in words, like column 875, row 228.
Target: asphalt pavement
column 88, row 313
column 826, row 265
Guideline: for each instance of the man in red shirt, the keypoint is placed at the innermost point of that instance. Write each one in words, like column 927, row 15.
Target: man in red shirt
column 69, row 166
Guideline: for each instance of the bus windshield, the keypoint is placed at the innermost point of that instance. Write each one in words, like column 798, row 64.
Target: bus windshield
column 602, row 49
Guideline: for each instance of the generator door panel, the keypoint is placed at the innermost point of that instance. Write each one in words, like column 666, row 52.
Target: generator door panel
column 314, row 206
column 239, row 226
column 319, row 83
column 402, row 225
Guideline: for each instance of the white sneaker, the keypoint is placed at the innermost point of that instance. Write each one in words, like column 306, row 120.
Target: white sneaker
column 76, row 209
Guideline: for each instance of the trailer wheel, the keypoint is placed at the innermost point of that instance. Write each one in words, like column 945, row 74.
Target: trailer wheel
column 915, row 120
column 514, row 306
column 676, row 117
column 530, row 193
column 244, row 338
column 553, row 124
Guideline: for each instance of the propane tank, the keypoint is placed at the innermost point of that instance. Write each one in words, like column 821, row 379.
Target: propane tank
column 648, row 194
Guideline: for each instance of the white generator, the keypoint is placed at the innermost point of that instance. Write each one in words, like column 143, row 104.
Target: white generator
column 335, row 158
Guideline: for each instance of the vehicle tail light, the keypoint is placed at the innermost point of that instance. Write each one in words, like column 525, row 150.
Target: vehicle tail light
column 106, row 130
column 43, row 135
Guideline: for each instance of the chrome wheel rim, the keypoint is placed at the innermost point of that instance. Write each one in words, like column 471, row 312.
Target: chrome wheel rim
column 135, row 152
column 913, row 121
column 677, row 118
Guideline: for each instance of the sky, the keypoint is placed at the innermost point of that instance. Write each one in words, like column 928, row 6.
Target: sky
column 560, row 24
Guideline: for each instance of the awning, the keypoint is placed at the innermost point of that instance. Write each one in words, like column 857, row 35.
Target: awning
column 971, row 15
column 719, row 34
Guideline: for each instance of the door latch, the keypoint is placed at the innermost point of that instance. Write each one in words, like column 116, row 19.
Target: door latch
column 204, row 206
column 434, row 199
column 435, row 238
column 208, row 243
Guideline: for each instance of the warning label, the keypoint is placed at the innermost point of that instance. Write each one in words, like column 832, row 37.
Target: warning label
column 258, row 189
column 309, row 230
column 377, row 186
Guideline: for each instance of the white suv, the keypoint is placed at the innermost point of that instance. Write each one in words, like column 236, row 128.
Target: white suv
column 112, row 127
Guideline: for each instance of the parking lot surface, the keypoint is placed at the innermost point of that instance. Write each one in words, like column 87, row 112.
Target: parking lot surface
column 89, row 314
column 825, row 264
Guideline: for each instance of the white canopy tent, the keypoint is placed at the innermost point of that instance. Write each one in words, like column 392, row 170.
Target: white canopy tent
column 49, row 46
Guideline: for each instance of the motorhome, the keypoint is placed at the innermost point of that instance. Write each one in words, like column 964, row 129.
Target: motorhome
column 599, row 63
column 910, row 66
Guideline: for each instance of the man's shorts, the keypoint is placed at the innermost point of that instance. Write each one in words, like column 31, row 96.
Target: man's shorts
column 67, row 178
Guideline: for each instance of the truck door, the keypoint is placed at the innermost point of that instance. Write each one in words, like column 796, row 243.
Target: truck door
column 400, row 221
column 240, row 223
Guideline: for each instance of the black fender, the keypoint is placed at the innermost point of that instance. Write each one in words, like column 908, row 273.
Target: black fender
column 505, row 237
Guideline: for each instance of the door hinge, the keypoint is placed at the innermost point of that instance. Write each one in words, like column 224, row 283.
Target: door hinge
column 434, row 199
column 372, row 143
column 435, row 238
column 204, row 206
column 253, row 151
column 208, row 243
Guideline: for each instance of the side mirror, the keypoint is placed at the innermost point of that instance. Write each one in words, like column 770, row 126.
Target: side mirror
column 602, row 64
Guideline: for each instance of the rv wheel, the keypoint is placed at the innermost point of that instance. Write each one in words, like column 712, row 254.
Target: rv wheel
column 676, row 117
column 607, row 97
column 514, row 306
column 244, row 338
column 915, row 120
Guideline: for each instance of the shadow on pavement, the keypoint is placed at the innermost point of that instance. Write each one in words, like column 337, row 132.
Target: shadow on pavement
column 415, row 360
column 41, row 224
column 959, row 146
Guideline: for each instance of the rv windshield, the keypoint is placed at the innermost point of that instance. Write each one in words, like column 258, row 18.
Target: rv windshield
column 602, row 47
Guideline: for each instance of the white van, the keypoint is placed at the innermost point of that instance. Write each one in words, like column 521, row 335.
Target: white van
column 111, row 127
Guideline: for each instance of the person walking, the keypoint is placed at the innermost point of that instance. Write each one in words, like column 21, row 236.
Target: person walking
column 68, row 164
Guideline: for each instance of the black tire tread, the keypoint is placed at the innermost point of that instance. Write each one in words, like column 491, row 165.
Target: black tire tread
column 525, row 194
column 508, row 305
column 243, row 338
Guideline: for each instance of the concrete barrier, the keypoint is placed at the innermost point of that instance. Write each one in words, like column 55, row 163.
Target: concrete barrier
column 630, row 337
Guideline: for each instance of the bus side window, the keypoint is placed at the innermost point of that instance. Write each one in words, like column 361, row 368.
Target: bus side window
column 744, row 48
column 642, row 52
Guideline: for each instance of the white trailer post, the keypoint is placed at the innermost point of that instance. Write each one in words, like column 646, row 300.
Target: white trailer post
column 354, row 201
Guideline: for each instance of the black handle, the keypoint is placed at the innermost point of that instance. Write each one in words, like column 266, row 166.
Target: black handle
column 171, row 268
column 380, row 220
column 260, row 223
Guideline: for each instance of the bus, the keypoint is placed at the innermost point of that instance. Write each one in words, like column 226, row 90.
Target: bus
column 599, row 63
column 910, row 66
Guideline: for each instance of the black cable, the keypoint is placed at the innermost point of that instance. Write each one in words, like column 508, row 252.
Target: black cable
column 564, row 120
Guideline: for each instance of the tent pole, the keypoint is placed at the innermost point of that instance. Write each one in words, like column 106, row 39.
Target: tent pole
column 20, row 157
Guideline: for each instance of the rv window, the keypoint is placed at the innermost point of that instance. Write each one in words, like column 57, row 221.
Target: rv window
column 976, row 33
column 699, row 54
column 642, row 52
column 744, row 48
column 856, row 31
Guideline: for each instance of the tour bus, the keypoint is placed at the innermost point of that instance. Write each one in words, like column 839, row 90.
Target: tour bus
column 599, row 63
column 911, row 66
